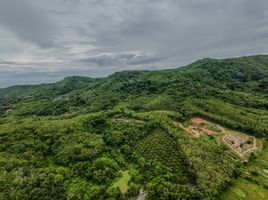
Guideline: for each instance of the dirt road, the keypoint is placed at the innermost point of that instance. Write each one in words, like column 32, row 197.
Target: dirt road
column 142, row 195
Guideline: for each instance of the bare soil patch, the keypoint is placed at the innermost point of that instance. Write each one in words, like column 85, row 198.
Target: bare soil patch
column 242, row 144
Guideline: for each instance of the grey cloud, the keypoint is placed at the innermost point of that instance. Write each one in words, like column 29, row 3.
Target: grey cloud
column 181, row 28
column 27, row 22
column 99, row 37
column 109, row 60
column 144, row 60
column 122, row 60
column 101, row 61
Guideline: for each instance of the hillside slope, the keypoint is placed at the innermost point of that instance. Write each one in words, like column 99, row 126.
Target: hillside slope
column 230, row 83
column 79, row 138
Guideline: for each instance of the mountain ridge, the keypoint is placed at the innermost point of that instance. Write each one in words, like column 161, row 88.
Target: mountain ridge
column 161, row 131
column 171, row 69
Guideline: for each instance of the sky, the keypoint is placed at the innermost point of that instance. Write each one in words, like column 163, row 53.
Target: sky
column 45, row 41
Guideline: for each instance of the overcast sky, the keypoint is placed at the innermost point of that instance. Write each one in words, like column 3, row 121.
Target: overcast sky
column 47, row 40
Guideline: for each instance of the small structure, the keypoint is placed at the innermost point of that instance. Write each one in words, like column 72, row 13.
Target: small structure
column 8, row 110
column 142, row 195
column 61, row 98
column 245, row 162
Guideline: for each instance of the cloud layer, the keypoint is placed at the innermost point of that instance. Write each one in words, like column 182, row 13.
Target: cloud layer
column 46, row 40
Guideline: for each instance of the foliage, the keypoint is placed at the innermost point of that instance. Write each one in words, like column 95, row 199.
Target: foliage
column 72, row 139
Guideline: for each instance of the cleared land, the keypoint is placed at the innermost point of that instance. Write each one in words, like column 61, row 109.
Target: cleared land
column 127, row 120
column 242, row 144
column 254, row 181
column 122, row 183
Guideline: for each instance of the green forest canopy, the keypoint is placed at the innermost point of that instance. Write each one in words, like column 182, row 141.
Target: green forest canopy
column 74, row 138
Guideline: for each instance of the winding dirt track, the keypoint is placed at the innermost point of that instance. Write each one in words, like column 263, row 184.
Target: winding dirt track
column 194, row 133
column 235, row 150
column 142, row 195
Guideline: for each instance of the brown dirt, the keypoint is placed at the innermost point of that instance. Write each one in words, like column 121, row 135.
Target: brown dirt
column 238, row 142
column 188, row 129
column 235, row 140
column 198, row 120
column 193, row 131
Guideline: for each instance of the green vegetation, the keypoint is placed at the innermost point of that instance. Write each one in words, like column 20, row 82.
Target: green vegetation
column 253, row 183
column 107, row 138
column 162, row 148
column 122, row 183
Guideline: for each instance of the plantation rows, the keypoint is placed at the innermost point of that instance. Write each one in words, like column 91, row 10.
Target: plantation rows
column 160, row 147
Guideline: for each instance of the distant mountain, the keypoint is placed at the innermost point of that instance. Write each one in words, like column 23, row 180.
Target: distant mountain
column 239, row 81
column 107, row 138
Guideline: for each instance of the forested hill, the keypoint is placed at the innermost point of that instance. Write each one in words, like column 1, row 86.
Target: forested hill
column 204, row 87
column 108, row 138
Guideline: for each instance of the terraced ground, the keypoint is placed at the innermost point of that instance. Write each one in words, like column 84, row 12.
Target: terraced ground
column 253, row 184
column 242, row 144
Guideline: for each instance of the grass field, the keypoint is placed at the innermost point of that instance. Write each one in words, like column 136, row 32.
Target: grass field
column 122, row 183
column 254, row 182
column 243, row 189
